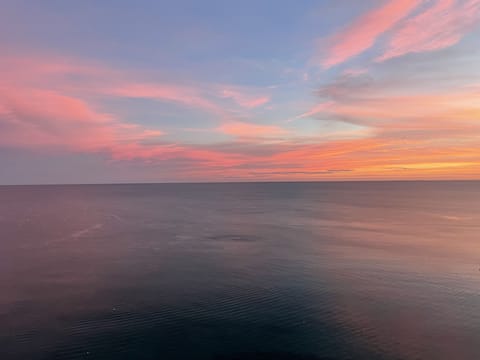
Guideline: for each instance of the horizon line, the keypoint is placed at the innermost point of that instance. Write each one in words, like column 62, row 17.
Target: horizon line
column 246, row 182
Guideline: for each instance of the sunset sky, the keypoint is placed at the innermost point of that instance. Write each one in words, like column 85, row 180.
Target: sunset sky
column 150, row 91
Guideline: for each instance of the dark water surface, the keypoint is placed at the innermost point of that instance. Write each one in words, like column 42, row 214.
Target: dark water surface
column 373, row 270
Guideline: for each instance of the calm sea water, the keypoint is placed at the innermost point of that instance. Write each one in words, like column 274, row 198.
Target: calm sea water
column 372, row 270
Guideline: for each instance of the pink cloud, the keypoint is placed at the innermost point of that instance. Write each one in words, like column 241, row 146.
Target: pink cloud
column 199, row 160
column 205, row 97
column 438, row 27
column 65, row 74
column 33, row 118
column 43, row 105
column 248, row 130
column 34, row 70
column 190, row 96
column 364, row 31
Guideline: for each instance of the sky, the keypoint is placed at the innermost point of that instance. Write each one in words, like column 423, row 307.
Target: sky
column 165, row 91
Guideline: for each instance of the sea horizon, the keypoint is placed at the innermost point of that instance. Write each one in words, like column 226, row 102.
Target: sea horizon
column 252, row 181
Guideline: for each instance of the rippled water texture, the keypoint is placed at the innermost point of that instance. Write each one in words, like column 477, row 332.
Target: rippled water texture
column 241, row 271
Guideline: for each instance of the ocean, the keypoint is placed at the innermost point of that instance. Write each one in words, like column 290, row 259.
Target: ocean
column 326, row 270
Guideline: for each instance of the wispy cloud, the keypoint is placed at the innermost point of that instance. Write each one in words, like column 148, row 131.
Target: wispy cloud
column 39, row 107
column 247, row 98
column 186, row 95
column 44, row 118
column 441, row 25
column 364, row 31
column 249, row 130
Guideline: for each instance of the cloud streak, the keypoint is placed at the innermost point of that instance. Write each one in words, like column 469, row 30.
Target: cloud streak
column 364, row 31
column 438, row 27
column 248, row 130
column 246, row 98
column 44, row 118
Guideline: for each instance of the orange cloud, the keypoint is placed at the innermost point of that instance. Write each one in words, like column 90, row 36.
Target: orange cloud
column 412, row 134
column 378, row 157
column 380, row 103
column 440, row 26
column 364, row 31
